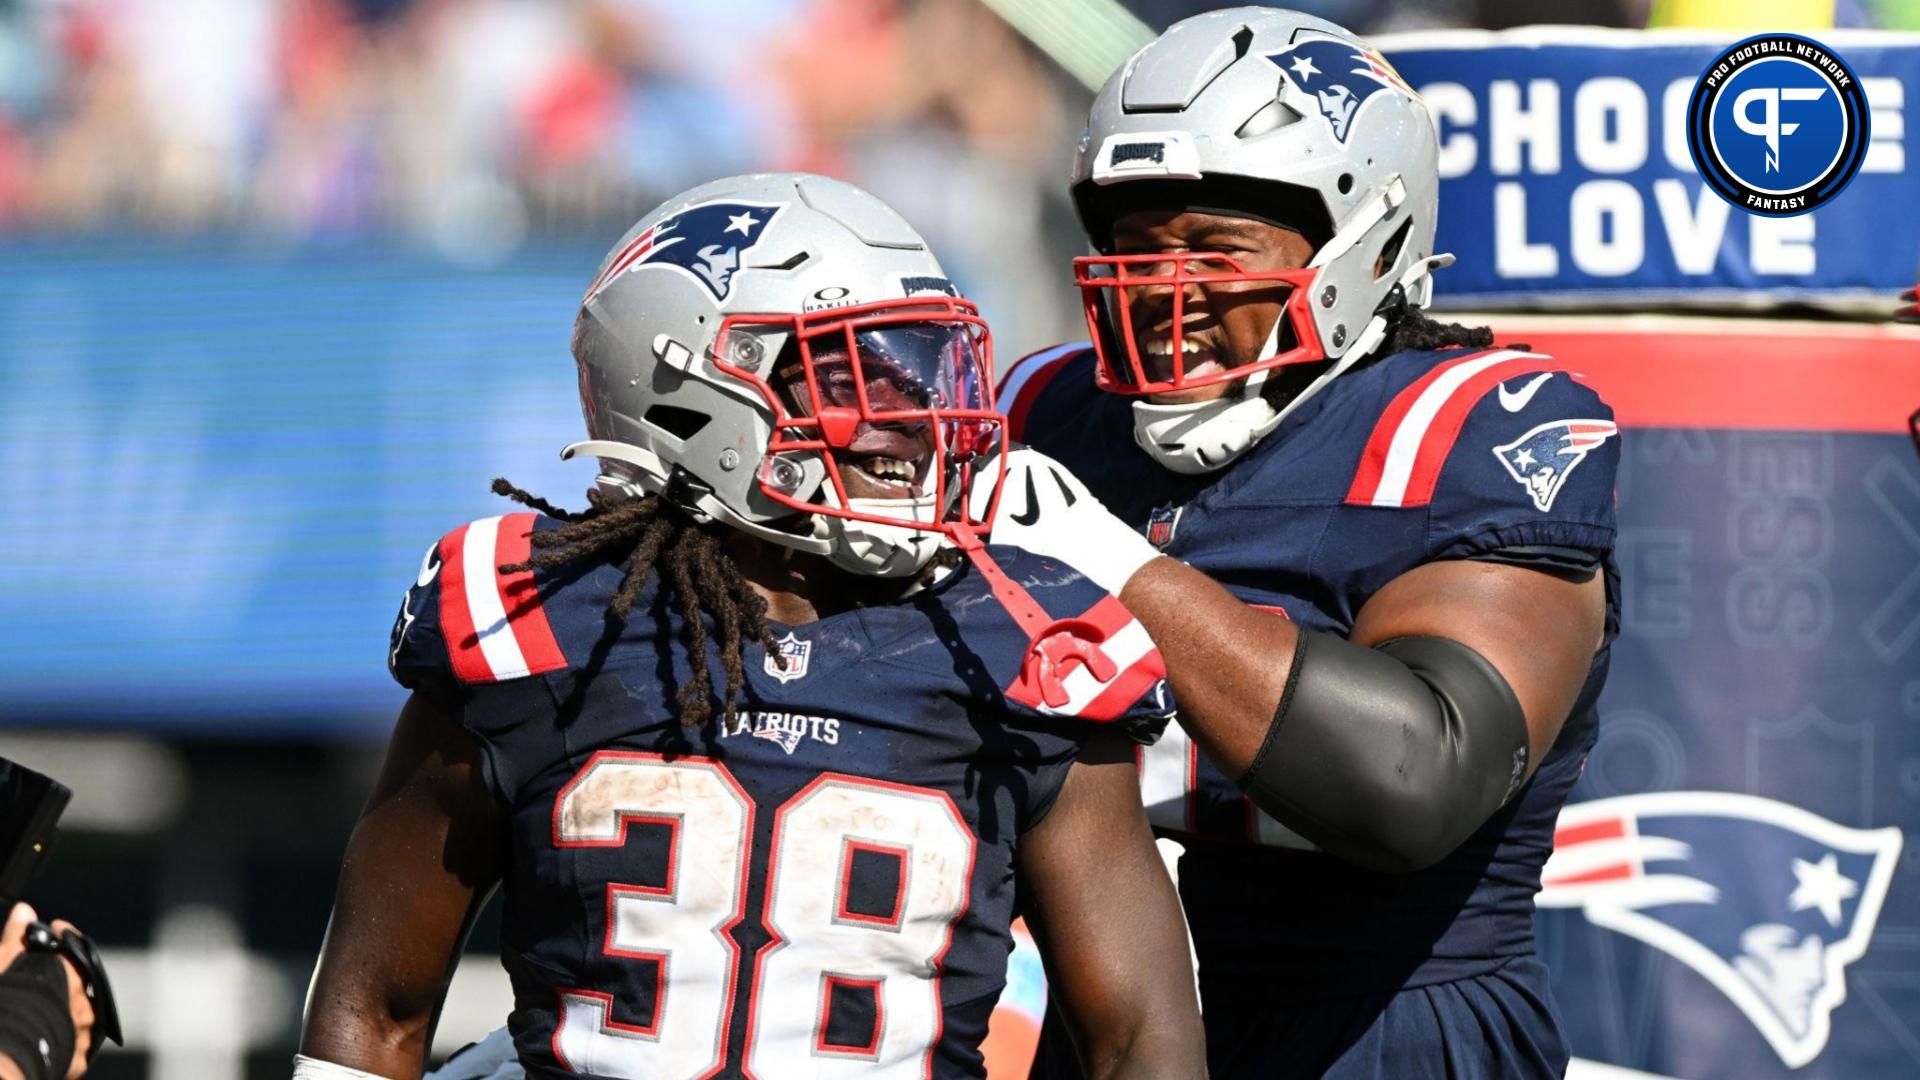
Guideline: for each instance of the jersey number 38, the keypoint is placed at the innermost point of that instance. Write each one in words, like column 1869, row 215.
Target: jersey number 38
column 820, row 949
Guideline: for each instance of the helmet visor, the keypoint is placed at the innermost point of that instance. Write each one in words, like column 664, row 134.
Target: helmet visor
column 894, row 399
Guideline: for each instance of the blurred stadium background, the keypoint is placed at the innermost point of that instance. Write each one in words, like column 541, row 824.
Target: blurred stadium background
column 285, row 283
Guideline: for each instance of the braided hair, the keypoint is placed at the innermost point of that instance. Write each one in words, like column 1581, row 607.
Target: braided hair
column 693, row 566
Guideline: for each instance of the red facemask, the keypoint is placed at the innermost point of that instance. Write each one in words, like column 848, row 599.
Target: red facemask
column 896, row 373
column 1106, row 282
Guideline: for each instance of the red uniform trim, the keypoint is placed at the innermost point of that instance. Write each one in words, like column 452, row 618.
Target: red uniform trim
column 1445, row 429
column 1373, row 460
column 456, row 620
column 521, row 599
column 1043, row 372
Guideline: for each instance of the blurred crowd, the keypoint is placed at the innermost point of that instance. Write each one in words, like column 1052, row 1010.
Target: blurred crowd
column 471, row 125
column 473, row 122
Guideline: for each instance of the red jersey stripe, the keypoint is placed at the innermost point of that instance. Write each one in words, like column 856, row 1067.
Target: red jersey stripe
column 521, row 599
column 1444, row 431
column 1373, row 460
column 1026, row 380
column 456, row 618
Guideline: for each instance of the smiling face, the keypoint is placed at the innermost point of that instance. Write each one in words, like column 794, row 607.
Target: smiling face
column 1225, row 325
column 883, row 459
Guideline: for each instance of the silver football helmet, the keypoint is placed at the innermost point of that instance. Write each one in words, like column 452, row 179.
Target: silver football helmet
column 782, row 354
column 1269, row 114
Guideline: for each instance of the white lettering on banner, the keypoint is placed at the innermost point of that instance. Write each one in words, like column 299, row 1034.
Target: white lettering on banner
column 1453, row 107
column 1534, row 125
column 1673, row 126
column 1782, row 245
column 1886, row 126
column 1610, row 125
column 1513, row 256
column 1609, row 235
column 1694, row 232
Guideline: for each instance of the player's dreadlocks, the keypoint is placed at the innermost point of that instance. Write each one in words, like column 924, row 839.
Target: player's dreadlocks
column 1414, row 330
column 703, row 580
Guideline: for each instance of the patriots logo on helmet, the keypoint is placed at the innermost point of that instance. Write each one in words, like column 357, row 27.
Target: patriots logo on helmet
column 1340, row 75
column 795, row 653
column 706, row 242
column 1767, row 901
column 1542, row 459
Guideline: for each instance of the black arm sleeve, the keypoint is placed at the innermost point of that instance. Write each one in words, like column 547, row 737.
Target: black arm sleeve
column 1389, row 757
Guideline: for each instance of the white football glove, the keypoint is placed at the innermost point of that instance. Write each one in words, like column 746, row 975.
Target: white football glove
column 1048, row 511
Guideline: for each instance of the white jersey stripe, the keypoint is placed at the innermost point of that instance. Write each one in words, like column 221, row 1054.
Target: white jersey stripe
column 1124, row 648
column 497, row 643
column 1404, row 449
column 1024, row 370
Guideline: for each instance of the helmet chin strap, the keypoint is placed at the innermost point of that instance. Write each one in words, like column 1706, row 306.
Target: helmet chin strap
column 1202, row 436
column 872, row 549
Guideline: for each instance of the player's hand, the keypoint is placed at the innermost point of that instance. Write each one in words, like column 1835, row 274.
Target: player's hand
column 1047, row 510
column 13, row 944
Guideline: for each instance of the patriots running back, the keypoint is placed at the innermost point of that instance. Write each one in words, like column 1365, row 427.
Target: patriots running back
column 825, row 876
column 764, row 745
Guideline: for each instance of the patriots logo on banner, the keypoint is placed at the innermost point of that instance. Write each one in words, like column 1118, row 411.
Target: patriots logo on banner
column 1767, row 901
column 1542, row 459
column 706, row 242
column 1341, row 77
column 795, row 652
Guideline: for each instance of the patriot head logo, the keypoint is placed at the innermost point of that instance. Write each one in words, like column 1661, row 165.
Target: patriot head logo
column 707, row 242
column 1542, row 459
column 1340, row 75
column 794, row 653
column 1766, row 901
column 785, row 738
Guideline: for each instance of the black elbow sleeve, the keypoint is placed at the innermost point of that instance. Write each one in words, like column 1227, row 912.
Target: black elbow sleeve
column 1389, row 756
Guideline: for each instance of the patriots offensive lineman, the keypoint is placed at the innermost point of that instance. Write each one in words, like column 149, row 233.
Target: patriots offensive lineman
column 790, row 403
column 1367, row 784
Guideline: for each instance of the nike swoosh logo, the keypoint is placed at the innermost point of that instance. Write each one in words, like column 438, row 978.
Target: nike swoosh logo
column 1033, row 505
column 1514, row 402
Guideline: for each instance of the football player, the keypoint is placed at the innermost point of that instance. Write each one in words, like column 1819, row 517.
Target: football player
column 756, row 771
column 1391, row 588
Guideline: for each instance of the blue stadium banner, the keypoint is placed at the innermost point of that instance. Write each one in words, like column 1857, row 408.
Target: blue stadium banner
column 1734, row 892
column 1566, row 177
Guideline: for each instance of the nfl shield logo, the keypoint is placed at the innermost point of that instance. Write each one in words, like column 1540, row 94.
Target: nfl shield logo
column 1160, row 526
column 795, row 652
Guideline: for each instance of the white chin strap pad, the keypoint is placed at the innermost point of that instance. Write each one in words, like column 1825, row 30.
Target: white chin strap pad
column 876, row 550
column 1202, row 436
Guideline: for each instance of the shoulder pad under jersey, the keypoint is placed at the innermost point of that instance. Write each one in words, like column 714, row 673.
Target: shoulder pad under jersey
column 1038, row 375
column 1501, row 447
column 464, row 621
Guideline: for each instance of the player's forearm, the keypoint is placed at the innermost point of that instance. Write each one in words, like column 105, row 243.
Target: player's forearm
column 365, row 1037
column 1152, row 1054
column 1227, row 662
column 9, row 1070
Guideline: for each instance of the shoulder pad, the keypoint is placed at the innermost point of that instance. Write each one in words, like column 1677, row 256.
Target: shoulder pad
column 465, row 619
column 1116, row 676
column 1416, row 434
column 1029, row 377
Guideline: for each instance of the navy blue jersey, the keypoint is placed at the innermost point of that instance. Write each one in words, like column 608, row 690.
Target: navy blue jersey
column 1416, row 457
column 818, row 885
